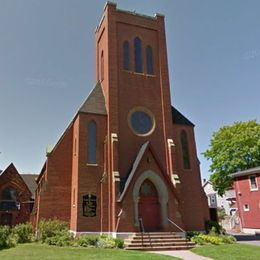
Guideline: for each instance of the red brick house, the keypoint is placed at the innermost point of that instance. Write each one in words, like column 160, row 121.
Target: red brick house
column 16, row 196
column 127, row 156
column 247, row 187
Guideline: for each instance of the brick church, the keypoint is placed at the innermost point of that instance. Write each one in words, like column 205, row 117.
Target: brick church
column 127, row 161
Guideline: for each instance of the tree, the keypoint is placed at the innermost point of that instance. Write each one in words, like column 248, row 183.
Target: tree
column 233, row 148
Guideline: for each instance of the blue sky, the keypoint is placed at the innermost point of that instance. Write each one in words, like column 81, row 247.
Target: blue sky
column 47, row 67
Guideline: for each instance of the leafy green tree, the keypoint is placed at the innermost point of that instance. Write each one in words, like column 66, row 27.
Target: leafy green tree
column 233, row 148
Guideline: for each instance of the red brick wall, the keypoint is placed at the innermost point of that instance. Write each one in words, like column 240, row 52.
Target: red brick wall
column 89, row 176
column 55, row 186
column 194, row 201
column 251, row 218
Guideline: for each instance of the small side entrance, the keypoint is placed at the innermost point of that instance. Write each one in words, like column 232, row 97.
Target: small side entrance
column 6, row 219
column 149, row 206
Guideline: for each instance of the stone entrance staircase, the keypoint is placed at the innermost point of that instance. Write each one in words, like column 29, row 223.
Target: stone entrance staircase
column 158, row 241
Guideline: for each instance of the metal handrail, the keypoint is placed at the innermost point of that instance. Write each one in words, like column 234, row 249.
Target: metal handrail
column 142, row 225
column 182, row 230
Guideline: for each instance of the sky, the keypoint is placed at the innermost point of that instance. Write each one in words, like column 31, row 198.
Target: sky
column 47, row 67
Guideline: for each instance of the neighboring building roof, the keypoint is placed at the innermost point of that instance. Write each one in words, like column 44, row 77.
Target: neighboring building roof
column 30, row 181
column 246, row 172
column 179, row 118
column 95, row 102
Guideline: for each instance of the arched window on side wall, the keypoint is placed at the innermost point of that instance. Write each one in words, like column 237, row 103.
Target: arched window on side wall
column 185, row 150
column 92, row 142
column 138, row 55
column 126, row 56
column 149, row 60
column 102, row 66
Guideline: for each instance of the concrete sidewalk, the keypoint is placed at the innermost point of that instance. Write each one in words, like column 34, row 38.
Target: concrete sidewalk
column 183, row 254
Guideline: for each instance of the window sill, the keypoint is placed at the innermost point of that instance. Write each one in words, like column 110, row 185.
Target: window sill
column 253, row 189
column 92, row 164
column 140, row 73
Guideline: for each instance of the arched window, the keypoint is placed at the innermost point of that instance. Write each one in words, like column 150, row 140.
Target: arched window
column 92, row 142
column 185, row 150
column 149, row 60
column 138, row 55
column 102, row 66
column 126, row 56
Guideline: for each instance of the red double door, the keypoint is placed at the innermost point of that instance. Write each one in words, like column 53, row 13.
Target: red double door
column 149, row 207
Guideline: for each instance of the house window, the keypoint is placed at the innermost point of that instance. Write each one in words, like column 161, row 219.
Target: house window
column 92, row 142
column 253, row 183
column 213, row 200
column 246, row 207
column 9, row 199
column 138, row 55
column 126, row 56
column 149, row 60
column 102, row 66
column 185, row 150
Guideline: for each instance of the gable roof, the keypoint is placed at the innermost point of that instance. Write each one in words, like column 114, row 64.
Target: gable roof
column 135, row 165
column 30, row 181
column 137, row 162
column 12, row 169
column 95, row 102
column 179, row 118
column 246, row 172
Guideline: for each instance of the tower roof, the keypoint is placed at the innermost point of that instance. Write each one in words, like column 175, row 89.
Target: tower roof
column 179, row 118
column 95, row 102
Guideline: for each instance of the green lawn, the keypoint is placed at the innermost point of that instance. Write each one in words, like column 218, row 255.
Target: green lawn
column 229, row 252
column 44, row 252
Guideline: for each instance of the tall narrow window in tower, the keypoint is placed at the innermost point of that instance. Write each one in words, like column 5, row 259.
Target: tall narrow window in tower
column 149, row 60
column 126, row 57
column 138, row 55
column 92, row 142
column 185, row 150
column 102, row 66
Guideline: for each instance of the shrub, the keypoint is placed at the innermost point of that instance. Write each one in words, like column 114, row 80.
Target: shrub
column 213, row 226
column 106, row 242
column 198, row 240
column 190, row 234
column 24, row 233
column 202, row 239
column 51, row 228
column 63, row 238
column 7, row 239
column 119, row 243
column 228, row 239
column 87, row 240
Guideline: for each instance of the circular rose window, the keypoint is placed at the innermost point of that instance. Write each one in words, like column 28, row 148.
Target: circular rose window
column 141, row 121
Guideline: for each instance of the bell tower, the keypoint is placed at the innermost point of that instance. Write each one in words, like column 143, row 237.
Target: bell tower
column 132, row 67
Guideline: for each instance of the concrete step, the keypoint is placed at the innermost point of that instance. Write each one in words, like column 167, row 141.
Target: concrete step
column 163, row 248
column 154, row 244
column 139, row 240
column 156, row 236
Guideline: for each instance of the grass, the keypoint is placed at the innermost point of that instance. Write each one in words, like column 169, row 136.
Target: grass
column 43, row 252
column 228, row 252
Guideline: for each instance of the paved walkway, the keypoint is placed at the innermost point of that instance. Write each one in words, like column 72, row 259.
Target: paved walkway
column 183, row 254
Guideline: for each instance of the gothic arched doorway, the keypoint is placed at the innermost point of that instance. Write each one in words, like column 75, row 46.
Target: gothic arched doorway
column 149, row 206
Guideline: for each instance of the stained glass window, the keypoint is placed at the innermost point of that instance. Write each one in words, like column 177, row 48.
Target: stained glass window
column 149, row 60
column 138, row 55
column 141, row 122
column 185, row 150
